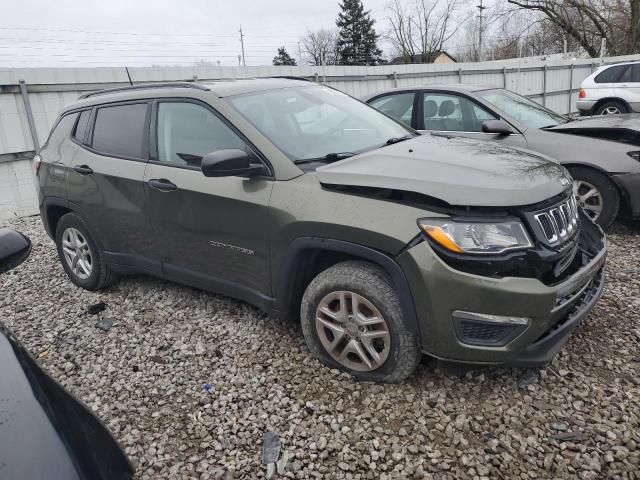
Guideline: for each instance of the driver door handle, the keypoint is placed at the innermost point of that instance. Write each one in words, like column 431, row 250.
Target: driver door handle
column 162, row 184
column 83, row 169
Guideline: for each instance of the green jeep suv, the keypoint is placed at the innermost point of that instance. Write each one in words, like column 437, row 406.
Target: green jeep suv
column 306, row 202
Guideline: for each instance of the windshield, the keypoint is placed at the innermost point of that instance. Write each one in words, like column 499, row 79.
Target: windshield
column 316, row 121
column 527, row 111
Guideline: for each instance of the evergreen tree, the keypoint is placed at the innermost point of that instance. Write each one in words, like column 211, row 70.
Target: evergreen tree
column 357, row 39
column 283, row 58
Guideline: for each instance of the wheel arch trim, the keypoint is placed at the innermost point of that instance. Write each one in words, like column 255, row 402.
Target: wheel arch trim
column 600, row 101
column 285, row 278
column 49, row 202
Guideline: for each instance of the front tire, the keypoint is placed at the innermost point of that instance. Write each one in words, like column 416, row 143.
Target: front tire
column 596, row 194
column 352, row 320
column 80, row 255
column 611, row 107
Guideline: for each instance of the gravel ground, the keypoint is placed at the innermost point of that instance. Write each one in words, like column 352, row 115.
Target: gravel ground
column 578, row 417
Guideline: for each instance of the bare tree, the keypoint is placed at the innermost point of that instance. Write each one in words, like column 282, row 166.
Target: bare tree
column 589, row 21
column 320, row 47
column 422, row 28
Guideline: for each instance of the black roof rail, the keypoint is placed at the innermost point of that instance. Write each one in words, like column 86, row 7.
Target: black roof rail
column 144, row 86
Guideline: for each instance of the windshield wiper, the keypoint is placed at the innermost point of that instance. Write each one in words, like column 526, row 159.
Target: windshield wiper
column 393, row 140
column 328, row 158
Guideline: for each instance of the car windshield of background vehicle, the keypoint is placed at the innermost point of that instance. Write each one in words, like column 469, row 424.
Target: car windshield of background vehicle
column 526, row 111
column 316, row 121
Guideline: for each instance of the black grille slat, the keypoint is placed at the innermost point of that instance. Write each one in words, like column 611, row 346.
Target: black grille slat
column 547, row 226
column 558, row 223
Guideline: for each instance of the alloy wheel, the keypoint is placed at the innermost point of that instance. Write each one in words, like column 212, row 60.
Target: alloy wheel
column 353, row 331
column 588, row 197
column 77, row 253
column 613, row 110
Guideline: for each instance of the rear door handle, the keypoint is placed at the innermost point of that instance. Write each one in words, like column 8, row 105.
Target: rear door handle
column 162, row 184
column 83, row 169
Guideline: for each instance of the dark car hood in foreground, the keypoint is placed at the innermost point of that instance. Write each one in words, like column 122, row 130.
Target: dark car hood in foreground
column 45, row 433
column 458, row 171
column 617, row 128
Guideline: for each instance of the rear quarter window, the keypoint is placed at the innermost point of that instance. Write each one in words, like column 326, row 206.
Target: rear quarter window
column 612, row 74
column 81, row 126
column 60, row 131
column 119, row 130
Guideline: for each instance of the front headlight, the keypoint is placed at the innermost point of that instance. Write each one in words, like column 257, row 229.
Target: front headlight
column 476, row 237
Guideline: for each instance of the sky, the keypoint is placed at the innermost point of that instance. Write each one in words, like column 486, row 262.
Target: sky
column 144, row 32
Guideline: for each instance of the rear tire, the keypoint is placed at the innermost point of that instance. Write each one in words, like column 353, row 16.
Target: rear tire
column 611, row 107
column 80, row 255
column 372, row 338
column 585, row 179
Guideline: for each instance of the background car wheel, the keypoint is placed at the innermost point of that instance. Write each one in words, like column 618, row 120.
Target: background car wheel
column 596, row 194
column 611, row 108
column 80, row 256
column 352, row 320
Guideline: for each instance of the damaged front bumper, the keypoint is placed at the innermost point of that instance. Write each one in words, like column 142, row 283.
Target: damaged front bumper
column 526, row 322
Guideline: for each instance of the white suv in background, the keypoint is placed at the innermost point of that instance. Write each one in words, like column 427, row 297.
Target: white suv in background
column 611, row 90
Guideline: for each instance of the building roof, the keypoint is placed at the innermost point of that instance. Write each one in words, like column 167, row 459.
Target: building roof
column 431, row 57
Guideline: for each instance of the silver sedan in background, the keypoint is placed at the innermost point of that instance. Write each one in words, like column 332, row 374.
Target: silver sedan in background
column 601, row 153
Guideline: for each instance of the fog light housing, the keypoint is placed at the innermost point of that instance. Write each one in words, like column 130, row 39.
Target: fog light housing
column 487, row 330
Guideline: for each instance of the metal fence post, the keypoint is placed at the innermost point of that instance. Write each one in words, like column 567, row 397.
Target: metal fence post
column 570, row 88
column 27, row 108
column 544, row 85
column 395, row 79
column 459, row 75
column 504, row 77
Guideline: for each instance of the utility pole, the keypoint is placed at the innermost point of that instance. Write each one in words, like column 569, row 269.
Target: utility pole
column 481, row 8
column 299, row 55
column 242, row 44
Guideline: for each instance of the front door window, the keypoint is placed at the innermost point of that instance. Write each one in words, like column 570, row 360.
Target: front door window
column 188, row 131
column 453, row 113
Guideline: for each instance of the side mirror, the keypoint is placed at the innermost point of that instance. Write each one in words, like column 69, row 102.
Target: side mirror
column 231, row 162
column 14, row 249
column 499, row 127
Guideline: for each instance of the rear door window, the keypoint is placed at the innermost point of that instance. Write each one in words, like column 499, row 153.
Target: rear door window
column 119, row 130
column 635, row 74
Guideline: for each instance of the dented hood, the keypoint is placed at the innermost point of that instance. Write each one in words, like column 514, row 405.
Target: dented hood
column 630, row 121
column 459, row 171
column 615, row 128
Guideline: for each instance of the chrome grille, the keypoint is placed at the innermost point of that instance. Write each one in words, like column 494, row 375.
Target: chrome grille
column 560, row 222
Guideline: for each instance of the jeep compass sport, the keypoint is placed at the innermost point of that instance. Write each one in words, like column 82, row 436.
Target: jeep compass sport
column 302, row 200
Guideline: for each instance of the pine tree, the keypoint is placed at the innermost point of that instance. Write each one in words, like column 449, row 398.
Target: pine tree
column 357, row 39
column 283, row 58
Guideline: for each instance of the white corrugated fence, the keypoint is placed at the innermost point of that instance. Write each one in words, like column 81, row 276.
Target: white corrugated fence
column 553, row 83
